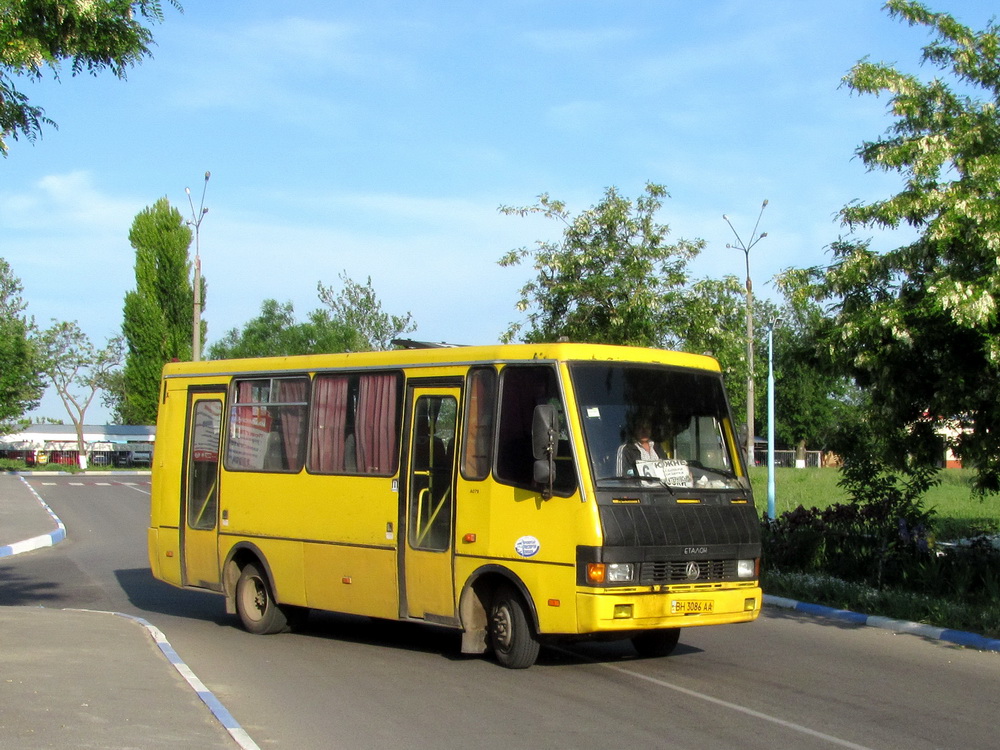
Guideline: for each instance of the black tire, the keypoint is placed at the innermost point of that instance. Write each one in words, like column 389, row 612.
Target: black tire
column 258, row 611
column 656, row 643
column 511, row 635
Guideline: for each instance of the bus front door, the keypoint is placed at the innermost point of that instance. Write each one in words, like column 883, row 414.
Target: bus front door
column 200, row 501
column 426, row 567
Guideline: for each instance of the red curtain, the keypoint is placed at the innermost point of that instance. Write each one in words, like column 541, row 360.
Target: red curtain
column 326, row 452
column 293, row 393
column 376, row 420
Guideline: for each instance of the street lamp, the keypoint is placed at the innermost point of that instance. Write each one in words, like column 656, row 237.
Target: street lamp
column 754, row 239
column 195, row 222
column 770, row 417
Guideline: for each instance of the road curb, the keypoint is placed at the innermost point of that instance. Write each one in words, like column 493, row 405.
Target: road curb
column 36, row 542
column 958, row 637
column 219, row 711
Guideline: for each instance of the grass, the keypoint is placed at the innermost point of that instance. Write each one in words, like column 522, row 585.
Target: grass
column 958, row 513
column 982, row 618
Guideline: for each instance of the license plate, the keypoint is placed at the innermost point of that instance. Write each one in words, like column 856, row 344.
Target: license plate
column 691, row 607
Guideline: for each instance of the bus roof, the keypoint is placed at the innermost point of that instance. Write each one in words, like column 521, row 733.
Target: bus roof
column 398, row 358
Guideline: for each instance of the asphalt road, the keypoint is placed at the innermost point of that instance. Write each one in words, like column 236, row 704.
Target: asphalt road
column 788, row 680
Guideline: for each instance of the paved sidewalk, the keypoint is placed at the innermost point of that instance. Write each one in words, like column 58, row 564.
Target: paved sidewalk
column 75, row 678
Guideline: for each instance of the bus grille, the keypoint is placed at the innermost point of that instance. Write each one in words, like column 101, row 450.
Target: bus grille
column 676, row 571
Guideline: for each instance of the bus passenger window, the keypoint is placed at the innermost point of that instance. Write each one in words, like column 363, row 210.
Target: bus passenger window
column 522, row 388
column 355, row 424
column 477, row 450
column 267, row 425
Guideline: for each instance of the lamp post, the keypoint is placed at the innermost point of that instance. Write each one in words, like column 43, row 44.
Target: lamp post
column 770, row 417
column 195, row 222
column 754, row 239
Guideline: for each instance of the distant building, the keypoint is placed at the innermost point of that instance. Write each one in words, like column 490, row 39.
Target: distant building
column 106, row 445
column 38, row 435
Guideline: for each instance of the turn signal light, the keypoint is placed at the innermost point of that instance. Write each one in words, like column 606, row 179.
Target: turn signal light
column 596, row 572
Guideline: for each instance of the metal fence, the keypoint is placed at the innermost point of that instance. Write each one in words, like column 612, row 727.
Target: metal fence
column 786, row 459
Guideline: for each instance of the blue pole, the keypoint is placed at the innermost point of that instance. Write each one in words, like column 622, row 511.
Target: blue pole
column 770, row 422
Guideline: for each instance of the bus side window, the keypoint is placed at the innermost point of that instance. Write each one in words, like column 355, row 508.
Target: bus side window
column 477, row 449
column 355, row 423
column 522, row 388
column 267, row 424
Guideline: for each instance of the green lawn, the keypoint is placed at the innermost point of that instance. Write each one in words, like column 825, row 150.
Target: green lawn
column 958, row 512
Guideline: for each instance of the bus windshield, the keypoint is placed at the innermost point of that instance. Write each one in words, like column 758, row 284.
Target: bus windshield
column 648, row 425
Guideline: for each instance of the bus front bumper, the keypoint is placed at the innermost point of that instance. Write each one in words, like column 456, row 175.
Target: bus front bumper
column 607, row 611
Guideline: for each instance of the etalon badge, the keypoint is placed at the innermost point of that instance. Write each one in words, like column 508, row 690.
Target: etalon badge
column 692, row 571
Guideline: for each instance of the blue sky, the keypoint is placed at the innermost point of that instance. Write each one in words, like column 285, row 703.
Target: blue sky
column 380, row 138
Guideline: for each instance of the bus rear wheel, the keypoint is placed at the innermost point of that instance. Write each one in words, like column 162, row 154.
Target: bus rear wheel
column 655, row 643
column 258, row 611
column 510, row 632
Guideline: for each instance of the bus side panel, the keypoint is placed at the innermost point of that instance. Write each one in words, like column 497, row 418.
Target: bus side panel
column 283, row 558
column 535, row 539
column 338, row 509
column 342, row 526
column 353, row 580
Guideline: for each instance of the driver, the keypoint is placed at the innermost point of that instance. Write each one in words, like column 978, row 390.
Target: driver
column 640, row 447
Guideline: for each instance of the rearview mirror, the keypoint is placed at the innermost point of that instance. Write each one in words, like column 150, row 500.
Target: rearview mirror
column 544, row 434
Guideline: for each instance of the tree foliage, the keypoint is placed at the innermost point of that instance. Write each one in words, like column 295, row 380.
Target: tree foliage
column 77, row 370
column 91, row 35
column 274, row 332
column 353, row 321
column 612, row 278
column 21, row 386
column 817, row 407
column 917, row 327
column 358, row 308
column 158, row 313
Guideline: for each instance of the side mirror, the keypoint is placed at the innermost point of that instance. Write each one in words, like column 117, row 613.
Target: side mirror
column 544, row 434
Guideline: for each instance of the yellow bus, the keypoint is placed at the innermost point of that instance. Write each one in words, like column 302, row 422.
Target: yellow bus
column 522, row 494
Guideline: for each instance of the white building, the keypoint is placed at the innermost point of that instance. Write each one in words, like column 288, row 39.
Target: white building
column 121, row 445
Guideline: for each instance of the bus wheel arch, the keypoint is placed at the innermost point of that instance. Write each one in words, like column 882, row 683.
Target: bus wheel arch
column 478, row 602
column 251, row 593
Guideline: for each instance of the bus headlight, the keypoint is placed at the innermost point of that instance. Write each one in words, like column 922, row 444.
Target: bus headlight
column 746, row 568
column 620, row 572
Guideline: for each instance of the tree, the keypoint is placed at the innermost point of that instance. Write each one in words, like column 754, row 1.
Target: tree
column 813, row 403
column 612, row 278
column 917, row 326
column 713, row 322
column 21, row 386
column 158, row 313
column 275, row 333
column 40, row 34
column 358, row 307
column 77, row 371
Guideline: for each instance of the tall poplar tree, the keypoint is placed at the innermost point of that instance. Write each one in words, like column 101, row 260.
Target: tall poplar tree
column 159, row 313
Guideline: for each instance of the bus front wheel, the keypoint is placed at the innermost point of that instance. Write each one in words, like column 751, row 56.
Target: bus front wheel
column 513, row 642
column 258, row 611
